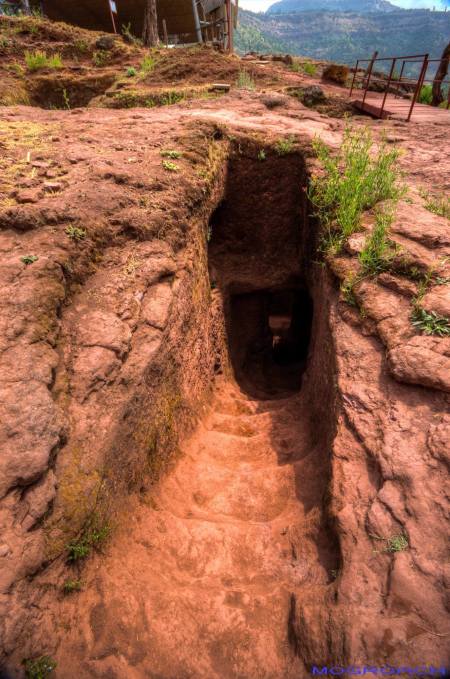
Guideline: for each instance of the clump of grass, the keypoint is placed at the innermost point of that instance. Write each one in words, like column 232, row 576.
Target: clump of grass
column 347, row 289
column 284, row 146
column 29, row 259
column 439, row 204
column 92, row 537
column 100, row 58
column 378, row 252
column 430, row 323
column 245, row 81
column 426, row 94
column 353, row 180
column 38, row 60
column 39, row 668
column 147, row 64
column 171, row 167
column 171, row 154
column 171, row 98
column 76, row 233
column 261, row 155
column 71, row 586
column 397, row 543
column 81, row 45
column 131, row 72
column 306, row 67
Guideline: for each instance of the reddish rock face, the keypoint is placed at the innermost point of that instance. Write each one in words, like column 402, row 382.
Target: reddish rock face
column 294, row 531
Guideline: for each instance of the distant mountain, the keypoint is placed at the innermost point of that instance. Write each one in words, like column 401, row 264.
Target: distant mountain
column 360, row 6
column 344, row 37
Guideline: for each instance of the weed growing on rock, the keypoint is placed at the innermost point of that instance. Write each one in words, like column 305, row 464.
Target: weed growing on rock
column 284, row 146
column 378, row 251
column 76, row 233
column 171, row 167
column 245, row 81
column 430, row 323
column 353, row 180
column 93, row 536
column 71, row 586
column 397, row 543
column 29, row 259
column 38, row 60
column 171, row 154
column 438, row 204
column 39, row 668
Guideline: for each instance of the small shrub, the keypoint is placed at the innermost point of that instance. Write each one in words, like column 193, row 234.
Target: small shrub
column 438, row 204
column 337, row 73
column 81, row 46
column 29, row 259
column 245, row 81
column 93, row 536
column 100, row 58
column 353, row 180
column 128, row 36
column 66, row 99
column 171, row 154
column 147, row 64
column 76, row 233
column 397, row 543
column 378, row 253
column 309, row 68
column 38, row 60
column 430, row 323
column 284, row 146
column 171, row 167
column 40, row 668
column 131, row 72
column 71, row 586
column 426, row 94
column 171, row 98
column 261, row 155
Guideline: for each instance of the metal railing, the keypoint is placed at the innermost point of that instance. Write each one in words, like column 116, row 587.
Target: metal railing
column 393, row 84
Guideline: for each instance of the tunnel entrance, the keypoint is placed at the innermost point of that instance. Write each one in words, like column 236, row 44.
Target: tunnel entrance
column 269, row 332
column 259, row 253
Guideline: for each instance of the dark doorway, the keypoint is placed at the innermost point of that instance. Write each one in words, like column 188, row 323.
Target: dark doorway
column 269, row 332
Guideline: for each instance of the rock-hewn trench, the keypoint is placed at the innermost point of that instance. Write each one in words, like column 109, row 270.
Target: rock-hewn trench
column 252, row 555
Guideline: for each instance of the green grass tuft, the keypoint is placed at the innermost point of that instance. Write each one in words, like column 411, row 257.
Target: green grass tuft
column 29, row 259
column 147, row 64
column 38, row 60
column 76, row 233
column 397, row 543
column 171, row 167
column 378, row 251
column 93, row 536
column 39, row 668
column 171, row 154
column 430, row 323
column 439, row 204
column 245, row 81
column 285, row 146
column 71, row 586
column 353, row 180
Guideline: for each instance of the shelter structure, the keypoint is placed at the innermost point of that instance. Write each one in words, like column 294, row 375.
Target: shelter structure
column 179, row 21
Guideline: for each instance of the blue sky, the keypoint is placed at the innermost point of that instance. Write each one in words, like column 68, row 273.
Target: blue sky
column 262, row 5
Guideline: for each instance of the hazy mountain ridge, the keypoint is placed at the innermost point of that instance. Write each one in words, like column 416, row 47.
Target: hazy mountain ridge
column 359, row 6
column 343, row 36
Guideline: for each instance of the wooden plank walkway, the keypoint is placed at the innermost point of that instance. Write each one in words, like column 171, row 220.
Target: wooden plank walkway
column 399, row 109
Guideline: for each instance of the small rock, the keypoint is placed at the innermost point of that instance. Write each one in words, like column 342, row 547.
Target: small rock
column 273, row 101
column 28, row 196
column 105, row 42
